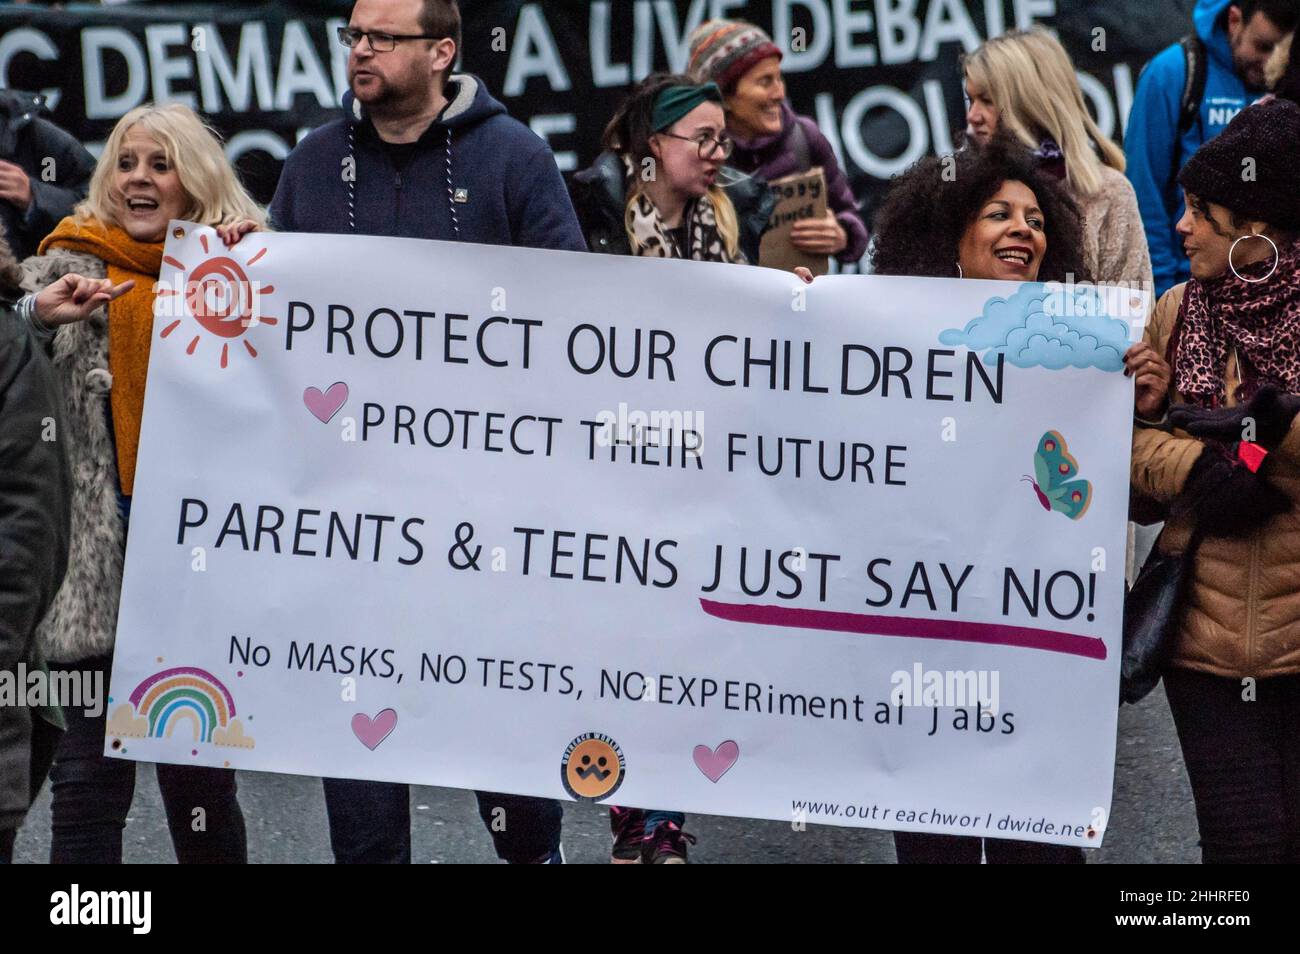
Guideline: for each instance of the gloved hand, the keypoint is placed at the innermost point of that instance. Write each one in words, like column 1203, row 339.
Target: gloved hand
column 1271, row 411
column 1227, row 499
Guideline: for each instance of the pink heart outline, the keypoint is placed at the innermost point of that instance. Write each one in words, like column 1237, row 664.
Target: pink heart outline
column 715, row 763
column 325, row 404
column 370, row 732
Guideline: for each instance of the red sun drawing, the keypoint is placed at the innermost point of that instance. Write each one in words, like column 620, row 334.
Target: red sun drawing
column 218, row 294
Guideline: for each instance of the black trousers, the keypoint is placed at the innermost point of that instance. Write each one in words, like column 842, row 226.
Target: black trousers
column 370, row 823
column 919, row 848
column 1243, row 761
column 91, row 795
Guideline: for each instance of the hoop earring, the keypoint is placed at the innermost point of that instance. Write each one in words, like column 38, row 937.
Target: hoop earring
column 1277, row 258
column 961, row 275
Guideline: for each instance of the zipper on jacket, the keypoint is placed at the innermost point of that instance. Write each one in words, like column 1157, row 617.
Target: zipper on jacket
column 397, row 184
column 1255, row 544
column 1252, row 581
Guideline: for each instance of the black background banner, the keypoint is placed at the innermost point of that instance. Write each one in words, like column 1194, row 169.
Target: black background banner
column 881, row 76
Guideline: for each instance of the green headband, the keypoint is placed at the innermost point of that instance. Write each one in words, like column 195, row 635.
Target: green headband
column 676, row 101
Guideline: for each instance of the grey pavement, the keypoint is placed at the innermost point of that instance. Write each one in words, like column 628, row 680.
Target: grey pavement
column 1152, row 818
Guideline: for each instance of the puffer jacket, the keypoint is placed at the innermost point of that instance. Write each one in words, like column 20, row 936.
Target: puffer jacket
column 1243, row 610
column 82, row 621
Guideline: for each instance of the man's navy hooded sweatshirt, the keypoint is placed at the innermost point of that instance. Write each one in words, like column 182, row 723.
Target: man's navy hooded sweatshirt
column 476, row 175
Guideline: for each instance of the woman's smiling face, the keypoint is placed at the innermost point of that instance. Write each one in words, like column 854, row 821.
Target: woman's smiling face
column 1007, row 239
column 146, row 188
column 754, row 109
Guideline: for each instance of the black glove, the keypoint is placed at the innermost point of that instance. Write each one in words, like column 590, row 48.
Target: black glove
column 1270, row 409
column 1227, row 499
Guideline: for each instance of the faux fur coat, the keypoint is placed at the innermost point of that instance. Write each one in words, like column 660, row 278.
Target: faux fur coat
column 83, row 619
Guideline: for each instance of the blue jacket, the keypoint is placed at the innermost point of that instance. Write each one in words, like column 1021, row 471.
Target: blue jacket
column 476, row 176
column 1154, row 149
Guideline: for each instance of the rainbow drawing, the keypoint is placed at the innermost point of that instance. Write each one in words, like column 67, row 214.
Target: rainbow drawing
column 184, row 694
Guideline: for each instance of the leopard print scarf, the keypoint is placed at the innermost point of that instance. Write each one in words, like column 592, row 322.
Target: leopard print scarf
column 1261, row 320
column 704, row 242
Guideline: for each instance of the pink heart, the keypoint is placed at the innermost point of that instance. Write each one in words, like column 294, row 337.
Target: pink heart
column 715, row 763
column 370, row 731
column 325, row 404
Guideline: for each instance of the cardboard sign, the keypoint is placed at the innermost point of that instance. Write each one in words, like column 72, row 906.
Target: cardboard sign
column 799, row 198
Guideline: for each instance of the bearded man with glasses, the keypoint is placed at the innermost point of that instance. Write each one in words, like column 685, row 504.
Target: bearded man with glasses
column 423, row 152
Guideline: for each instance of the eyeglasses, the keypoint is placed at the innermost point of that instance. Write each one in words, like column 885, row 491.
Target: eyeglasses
column 708, row 145
column 380, row 42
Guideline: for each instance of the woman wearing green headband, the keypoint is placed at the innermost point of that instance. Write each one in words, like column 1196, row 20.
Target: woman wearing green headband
column 657, row 189
column 655, row 192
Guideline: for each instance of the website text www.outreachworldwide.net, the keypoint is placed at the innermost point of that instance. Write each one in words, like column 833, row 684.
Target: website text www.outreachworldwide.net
column 977, row 824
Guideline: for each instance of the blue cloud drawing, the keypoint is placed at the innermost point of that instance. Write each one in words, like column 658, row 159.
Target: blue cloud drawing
column 1047, row 326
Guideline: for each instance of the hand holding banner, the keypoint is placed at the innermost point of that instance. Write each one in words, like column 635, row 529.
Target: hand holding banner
column 515, row 520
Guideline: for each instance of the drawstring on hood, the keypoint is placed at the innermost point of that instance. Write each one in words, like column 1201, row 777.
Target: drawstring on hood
column 474, row 175
column 451, row 192
column 352, row 179
column 461, row 109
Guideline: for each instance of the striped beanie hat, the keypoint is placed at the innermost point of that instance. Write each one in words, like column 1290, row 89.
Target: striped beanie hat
column 724, row 50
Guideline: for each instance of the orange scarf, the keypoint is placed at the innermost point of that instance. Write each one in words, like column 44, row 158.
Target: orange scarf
column 130, row 323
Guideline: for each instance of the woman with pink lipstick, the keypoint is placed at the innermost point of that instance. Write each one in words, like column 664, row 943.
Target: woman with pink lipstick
column 995, row 214
column 998, row 216
column 1217, row 444
column 770, row 140
column 1023, row 84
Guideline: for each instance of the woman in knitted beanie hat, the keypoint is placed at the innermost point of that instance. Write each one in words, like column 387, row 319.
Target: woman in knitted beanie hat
column 1218, row 375
column 771, row 141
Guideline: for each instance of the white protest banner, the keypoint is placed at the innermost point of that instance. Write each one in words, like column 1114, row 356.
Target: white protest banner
column 657, row 533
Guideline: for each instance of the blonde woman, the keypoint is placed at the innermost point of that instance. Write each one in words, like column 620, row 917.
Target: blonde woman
column 1022, row 84
column 159, row 163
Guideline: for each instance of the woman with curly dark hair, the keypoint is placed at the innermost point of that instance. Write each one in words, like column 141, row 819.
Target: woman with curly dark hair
column 988, row 212
column 992, row 213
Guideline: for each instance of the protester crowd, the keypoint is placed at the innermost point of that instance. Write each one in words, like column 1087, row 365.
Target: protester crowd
column 1038, row 194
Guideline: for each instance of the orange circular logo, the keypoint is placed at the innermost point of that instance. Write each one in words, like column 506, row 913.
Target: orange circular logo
column 592, row 767
column 220, row 297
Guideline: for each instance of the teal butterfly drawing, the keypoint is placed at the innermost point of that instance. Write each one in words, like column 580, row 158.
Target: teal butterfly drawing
column 1054, row 467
